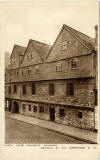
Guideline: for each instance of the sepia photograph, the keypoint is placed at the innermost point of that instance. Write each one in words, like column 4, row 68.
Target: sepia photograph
column 51, row 72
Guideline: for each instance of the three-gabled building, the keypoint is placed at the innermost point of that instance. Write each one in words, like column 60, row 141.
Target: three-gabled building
column 56, row 83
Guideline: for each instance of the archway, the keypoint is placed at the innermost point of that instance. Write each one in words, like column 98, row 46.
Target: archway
column 15, row 108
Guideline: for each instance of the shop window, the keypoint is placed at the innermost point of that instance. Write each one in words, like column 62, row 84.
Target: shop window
column 33, row 88
column 80, row 115
column 61, row 112
column 51, row 89
column 24, row 89
column 70, row 89
column 35, row 108
column 37, row 69
column 14, row 89
column 41, row 109
column 23, row 107
column 74, row 63
column 29, row 107
column 58, row 67
column 63, row 45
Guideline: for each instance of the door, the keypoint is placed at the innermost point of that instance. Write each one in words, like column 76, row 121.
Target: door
column 52, row 114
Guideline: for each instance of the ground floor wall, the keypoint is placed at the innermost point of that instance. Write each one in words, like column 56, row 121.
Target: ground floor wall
column 73, row 116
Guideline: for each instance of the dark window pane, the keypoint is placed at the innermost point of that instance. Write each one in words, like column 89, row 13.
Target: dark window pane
column 61, row 112
column 80, row 115
column 51, row 89
column 41, row 109
column 70, row 89
column 29, row 107
column 35, row 108
column 33, row 88
column 24, row 90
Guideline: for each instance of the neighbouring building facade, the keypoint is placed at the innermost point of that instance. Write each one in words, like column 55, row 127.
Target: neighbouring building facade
column 56, row 83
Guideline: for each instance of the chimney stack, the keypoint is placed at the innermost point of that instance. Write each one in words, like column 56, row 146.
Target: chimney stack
column 96, row 36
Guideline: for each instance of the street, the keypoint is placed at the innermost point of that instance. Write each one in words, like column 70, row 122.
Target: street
column 24, row 133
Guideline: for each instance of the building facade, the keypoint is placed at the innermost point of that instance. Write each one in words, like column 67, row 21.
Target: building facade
column 56, row 83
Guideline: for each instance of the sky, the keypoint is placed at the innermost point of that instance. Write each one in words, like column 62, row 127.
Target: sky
column 43, row 20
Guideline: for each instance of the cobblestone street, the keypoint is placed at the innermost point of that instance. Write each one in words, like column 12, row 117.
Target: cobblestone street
column 23, row 133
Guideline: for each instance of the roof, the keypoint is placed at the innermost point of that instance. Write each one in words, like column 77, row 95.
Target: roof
column 18, row 51
column 88, row 41
column 41, row 48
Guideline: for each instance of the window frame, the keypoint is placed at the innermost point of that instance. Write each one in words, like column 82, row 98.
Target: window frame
column 61, row 112
column 59, row 66
column 41, row 109
column 29, row 107
column 24, row 90
column 64, row 45
column 37, row 69
column 74, row 63
column 14, row 89
column 33, row 88
column 34, row 108
column 51, row 89
column 70, row 91
column 80, row 114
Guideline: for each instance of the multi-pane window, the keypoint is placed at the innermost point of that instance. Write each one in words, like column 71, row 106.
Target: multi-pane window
column 41, row 109
column 63, row 45
column 24, row 89
column 23, row 107
column 33, row 88
column 29, row 70
column 70, row 89
column 51, row 89
column 61, row 112
column 37, row 68
column 14, row 89
column 80, row 115
column 30, row 56
column 9, row 89
column 35, row 108
column 29, row 107
column 74, row 63
column 58, row 67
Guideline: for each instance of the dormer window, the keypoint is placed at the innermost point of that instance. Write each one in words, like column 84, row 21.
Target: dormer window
column 58, row 67
column 63, row 45
column 74, row 63
column 37, row 69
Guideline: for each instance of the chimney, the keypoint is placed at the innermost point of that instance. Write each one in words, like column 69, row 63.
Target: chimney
column 96, row 36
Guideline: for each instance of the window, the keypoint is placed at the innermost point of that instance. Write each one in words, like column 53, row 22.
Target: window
column 14, row 89
column 24, row 90
column 17, row 72
column 95, row 97
column 80, row 115
column 33, row 88
column 29, row 70
column 35, row 108
column 41, row 109
column 58, row 67
column 9, row 89
column 70, row 89
column 74, row 64
column 37, row 69
column 61, row 112
column 51, row 89
column 63, row 45
column 29, row 107
column 23, row 107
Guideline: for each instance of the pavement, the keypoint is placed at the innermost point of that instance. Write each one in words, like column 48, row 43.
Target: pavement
column 77, row 133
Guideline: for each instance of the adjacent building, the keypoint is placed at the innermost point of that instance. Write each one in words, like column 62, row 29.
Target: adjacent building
column 56, row 83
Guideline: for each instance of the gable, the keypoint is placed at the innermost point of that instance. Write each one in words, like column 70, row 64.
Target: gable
column 30, row 57
column 74, row 46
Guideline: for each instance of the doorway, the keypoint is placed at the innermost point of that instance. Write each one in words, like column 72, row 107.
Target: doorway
column 15, row 108
column 52, row 114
